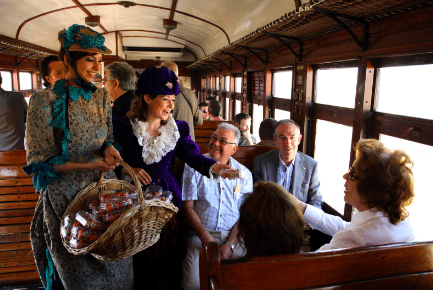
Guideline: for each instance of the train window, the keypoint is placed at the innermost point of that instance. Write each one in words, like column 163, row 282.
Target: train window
column 405, row 90
column 332, row 167
column 336, row 86
column 258, row 118
column 227, row 86
column 421, row 155
column 282, row 84
column 281, row 114
column 211, row 83
column 238, row 108
column 227, row 106
column 25, row 80
column 238, row 84
column 217, row 83
column 6, row 80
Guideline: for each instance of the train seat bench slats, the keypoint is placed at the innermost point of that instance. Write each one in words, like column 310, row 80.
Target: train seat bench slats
column 17, row 205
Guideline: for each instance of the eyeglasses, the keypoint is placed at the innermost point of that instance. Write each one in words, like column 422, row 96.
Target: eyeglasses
column 205, row 111
column 223, row 142
column 352, row 175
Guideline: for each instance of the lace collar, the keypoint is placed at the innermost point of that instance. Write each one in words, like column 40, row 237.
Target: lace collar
column 155, row 148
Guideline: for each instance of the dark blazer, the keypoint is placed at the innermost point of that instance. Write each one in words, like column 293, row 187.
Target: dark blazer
column 13, row 111
column 305, row 183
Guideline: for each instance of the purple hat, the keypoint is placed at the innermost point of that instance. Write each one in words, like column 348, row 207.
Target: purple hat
column 157, row 81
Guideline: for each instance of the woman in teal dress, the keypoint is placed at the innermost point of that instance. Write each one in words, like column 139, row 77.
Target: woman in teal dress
column 69, row 140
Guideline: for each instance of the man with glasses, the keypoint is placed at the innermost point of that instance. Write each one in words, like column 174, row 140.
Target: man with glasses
column 211, row 207
column 295, row 171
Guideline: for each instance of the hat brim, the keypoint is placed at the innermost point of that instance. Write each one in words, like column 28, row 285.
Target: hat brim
column 76, row 47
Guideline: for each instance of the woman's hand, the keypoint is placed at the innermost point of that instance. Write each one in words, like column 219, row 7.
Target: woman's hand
column 100, row 165
column 225, row 252
column 217, row 168
column 142, row 175
column 109, row 153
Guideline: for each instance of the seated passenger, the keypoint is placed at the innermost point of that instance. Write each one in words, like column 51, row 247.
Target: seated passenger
column 204, row 108
column 379, row 186
column 266, row 132
column 211, row 207
column 215, row 111
column 270, row 221
column 297, row 172
column 243, row 122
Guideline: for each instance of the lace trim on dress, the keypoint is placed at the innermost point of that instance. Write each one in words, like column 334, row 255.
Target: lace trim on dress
column 155, row 148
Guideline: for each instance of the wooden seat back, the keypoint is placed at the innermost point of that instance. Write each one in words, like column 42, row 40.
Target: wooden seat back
column 244, row 155
column 17, row 205
column 393, row 266
column 203, row 132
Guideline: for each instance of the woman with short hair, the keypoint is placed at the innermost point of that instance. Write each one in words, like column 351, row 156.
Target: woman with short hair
column 270, row 221
column 379, row 185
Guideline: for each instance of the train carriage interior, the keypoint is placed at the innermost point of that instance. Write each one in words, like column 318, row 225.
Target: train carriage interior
column 341, row 69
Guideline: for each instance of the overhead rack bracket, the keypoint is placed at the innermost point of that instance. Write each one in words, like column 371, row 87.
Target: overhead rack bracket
column 280, row 37
column 244, row 65
column 212, row 64
column 17, row 64
column 334, row 15
column 229, row 67
column 251, row 49
column 4, row 48
column 205, row 67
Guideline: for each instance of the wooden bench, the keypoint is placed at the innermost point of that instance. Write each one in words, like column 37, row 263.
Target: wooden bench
column 393, row 266
column 244, row 155
column 17, row 205
column 203, row 132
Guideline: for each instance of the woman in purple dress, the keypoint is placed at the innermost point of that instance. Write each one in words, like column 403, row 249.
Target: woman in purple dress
column 150, row 138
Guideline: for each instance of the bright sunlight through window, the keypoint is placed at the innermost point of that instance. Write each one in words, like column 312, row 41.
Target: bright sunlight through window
column 422, row 157
column 333, row 160
column 336, row 87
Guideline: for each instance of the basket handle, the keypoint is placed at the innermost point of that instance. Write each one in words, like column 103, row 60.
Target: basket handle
column 131, row 173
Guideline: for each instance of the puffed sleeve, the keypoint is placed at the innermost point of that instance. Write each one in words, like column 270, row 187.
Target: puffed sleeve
column 39, row 131
column 189, row 152
column 40, row 145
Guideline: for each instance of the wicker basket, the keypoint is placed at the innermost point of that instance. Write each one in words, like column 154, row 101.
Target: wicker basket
column 135, row 230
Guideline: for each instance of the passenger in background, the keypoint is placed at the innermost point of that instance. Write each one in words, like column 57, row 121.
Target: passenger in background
column 185, row 107
column 379, row 185
column 209, row 99
column 270, row 221
column 295, row 171
column 266, row 132
column 204, row 108
column 13, row 110
column 243, row 122
column 52, row 69
column 119, row 80
column 215, row 111
column 211, row 208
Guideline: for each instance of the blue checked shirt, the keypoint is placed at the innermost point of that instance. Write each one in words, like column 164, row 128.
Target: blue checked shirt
column 216, row 203
column 285, row 174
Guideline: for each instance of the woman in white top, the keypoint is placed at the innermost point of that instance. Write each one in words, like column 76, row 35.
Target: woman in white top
column 379, row 186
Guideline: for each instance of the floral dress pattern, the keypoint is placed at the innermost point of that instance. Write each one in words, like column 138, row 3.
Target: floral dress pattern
column 90, row 127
